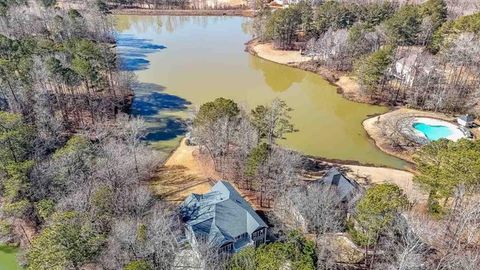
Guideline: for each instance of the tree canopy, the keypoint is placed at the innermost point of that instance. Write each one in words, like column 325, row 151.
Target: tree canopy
column 371, row 69
column 64, row 243
column 211, row 111
column 273, row 120
column 376, row 211
column 451, row 29
column 296, row 251
column 445, row 165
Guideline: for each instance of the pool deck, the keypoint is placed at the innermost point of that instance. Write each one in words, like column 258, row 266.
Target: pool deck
column 456, row 135
column 378, row 128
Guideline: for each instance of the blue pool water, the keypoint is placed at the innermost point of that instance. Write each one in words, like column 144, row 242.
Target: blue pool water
column 433, row 133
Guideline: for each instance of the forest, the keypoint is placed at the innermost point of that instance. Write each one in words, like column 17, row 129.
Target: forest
column 418, row 55
column 72, row 163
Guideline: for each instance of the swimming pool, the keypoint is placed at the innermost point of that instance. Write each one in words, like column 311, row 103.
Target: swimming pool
column 434, row 129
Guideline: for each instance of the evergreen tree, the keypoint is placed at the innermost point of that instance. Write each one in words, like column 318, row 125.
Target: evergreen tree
column 371, row 70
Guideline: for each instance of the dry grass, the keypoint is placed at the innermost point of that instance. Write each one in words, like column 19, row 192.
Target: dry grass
column 183, row 174
column 175, row 183
column 266, row 51
column 351, row 89
column 367, row 176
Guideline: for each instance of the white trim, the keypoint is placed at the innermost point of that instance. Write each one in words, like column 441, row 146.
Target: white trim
column 456, row 135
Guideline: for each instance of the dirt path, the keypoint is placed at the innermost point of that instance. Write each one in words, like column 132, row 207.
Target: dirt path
column 183, row 174
column 367, row 176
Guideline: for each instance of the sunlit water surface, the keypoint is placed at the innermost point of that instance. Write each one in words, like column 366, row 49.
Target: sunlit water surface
column 185, row 61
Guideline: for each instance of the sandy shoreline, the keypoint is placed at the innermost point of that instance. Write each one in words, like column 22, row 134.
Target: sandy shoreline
column 346, row 85
column 185, row 174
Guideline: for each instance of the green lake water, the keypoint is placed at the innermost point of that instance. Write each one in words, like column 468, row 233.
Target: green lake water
column 8, row 258
column 184, row 61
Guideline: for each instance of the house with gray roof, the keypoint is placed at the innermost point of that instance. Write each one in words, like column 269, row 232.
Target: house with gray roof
column 466, row 120
column 346, row 189
column 223, row 219
column 339, row 190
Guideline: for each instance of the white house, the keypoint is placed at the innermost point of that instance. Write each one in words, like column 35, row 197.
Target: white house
column 286, row 2
column 410, row 64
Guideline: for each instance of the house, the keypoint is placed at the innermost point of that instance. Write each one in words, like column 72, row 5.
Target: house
column 222, row 219
column 412, row 61
column 285, row 3
column 346, row 189
column 466, row 120
column 291, row 207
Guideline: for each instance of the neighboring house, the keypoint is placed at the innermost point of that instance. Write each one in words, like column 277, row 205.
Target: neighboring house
column 410, row 64
column 285, row 3
column 222, row 219
column 292, row 210
column 466, row 120
column 348, row 190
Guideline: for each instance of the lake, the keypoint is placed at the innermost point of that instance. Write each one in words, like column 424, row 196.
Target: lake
column 184, row 61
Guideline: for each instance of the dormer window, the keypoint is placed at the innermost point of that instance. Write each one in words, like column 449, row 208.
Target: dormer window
column 241, row 236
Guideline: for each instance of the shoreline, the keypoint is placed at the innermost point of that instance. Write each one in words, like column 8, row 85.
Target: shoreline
column 184, row 12
column 337, row 79
column 184, row 163
column 375, row 130
column 346, row 85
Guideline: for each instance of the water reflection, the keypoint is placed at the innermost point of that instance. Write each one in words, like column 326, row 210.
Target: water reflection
column 271, row 71
column 170, row 24
column 151, row 104
column 168, row 128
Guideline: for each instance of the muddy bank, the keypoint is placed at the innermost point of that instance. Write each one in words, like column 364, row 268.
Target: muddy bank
column 185, row 12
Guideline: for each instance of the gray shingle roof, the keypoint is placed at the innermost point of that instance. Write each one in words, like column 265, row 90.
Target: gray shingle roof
column 467, row 117
column 220, row 215
column 344, row 186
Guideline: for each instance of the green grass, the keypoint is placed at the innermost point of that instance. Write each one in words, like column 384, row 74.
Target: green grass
column 8, row 258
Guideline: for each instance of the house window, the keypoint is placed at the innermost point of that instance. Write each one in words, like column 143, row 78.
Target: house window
column 257, row 234
column 241, row 236
column 227, row 248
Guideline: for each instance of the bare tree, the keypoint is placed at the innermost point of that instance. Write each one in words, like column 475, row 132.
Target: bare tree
column 456, row 237
column 402, row 248
column 276, row 174
column 216, row 137
column 273, row 120
column 152, row 238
